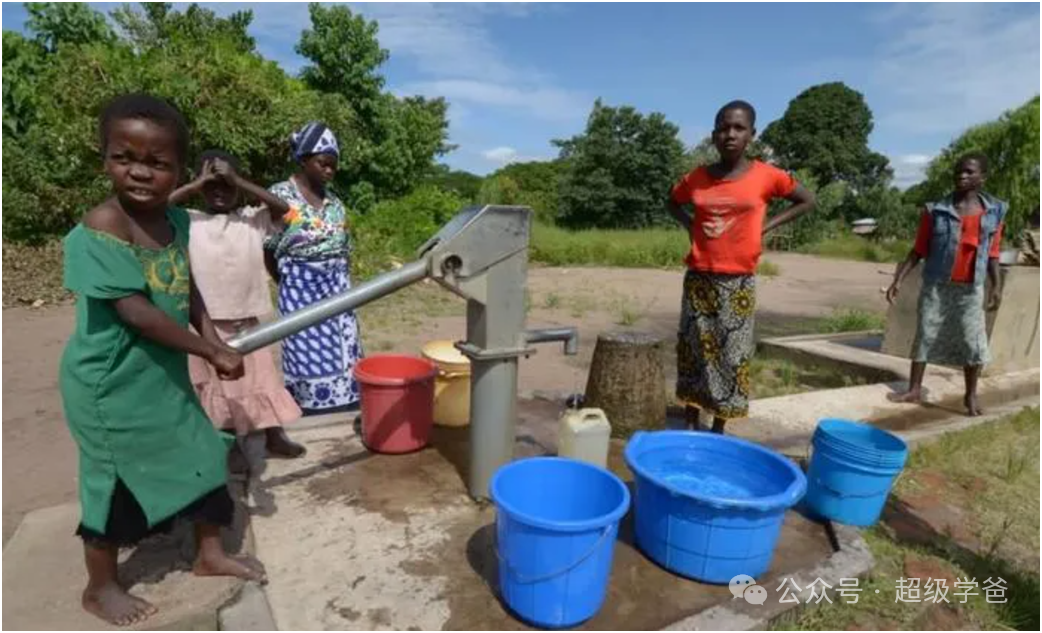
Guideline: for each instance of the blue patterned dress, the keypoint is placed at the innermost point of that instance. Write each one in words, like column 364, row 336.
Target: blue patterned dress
column 314, row 252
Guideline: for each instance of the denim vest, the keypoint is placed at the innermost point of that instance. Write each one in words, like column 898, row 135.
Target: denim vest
column 947, row 229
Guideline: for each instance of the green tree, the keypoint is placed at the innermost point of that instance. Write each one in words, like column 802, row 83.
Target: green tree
column 400, row 138
column 57, row 23
column 394, row 229
column 23, row 62
column 345, row 56
column 56, row 81
column 538, row 184
column 826, row 221
column 619, row 171
column 231, row 99
column 156, row 24
column 825, row 131
column 462, row 183
column 499, row 189
column 895, row 217
column 1011, row 144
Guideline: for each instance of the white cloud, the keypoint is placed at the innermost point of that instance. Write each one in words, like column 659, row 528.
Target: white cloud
column 444, row 40
column 909, row 169
column 544, row 102
column 505, row 155
column 949, row 66
column 453, row 53
column 501, row 155
column 459, row 59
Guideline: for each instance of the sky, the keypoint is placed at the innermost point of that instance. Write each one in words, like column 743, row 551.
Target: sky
column 519, row 75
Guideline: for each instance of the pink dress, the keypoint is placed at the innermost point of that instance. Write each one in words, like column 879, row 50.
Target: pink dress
column 227, row 260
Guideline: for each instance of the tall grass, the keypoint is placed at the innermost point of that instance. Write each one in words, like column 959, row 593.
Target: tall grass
column 665, row 248
column 851, row 320
column 850, row 246
column 646, row 248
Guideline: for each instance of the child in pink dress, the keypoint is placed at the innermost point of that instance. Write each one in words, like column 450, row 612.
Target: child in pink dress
column 227, row 261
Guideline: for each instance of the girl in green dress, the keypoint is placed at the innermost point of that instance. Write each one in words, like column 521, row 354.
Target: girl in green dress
column 147, row 452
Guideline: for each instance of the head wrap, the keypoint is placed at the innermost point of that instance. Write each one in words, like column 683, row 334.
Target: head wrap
column 313, row 138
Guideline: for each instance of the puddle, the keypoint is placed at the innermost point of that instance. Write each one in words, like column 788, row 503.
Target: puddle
column 871, row 343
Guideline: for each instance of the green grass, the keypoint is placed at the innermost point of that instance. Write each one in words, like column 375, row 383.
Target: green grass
column 647, row 248
column 408, row 309
column 850, row 246
column 770, row 377
column 1001, row 457
column 665, row 248
column 851, row 320
column 767, row 268
column 1003, row 500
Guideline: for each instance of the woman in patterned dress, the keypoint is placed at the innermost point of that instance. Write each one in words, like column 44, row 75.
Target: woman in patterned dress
column 959, row 238
column 729, row 200
column 312, row 251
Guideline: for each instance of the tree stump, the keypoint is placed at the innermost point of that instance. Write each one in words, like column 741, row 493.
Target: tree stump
column 627, row 381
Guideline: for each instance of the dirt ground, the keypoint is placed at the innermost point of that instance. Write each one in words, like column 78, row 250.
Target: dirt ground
column 39, row 464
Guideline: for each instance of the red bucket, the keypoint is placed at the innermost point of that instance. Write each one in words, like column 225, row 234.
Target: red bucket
column 397, row 402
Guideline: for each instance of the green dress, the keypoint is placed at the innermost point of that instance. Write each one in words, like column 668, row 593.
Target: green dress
column 129, row 401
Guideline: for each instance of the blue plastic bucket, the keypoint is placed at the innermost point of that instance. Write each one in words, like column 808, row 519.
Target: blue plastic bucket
column 708, row 506
column 556, row 524
column 852, row 470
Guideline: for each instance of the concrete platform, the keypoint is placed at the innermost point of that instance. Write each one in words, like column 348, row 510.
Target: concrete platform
column 853, row 353
column 790, row 420
column 43, row 576
column 354, row 540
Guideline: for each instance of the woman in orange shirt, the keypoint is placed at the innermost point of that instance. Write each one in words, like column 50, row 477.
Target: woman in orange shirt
column 729, row 200
column 959, row 238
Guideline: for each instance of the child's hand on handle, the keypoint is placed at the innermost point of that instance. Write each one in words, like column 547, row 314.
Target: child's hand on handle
column 227, row 361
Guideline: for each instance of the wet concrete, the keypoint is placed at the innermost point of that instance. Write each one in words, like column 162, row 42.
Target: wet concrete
column 354, row 540
column 930, row 413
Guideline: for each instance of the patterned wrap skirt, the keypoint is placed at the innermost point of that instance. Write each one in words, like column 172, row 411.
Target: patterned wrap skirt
column 951, row 326
column 318, row 363
column 715, row 343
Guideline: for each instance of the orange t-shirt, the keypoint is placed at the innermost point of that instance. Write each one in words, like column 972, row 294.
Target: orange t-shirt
column 726, row 231
column 969, row 239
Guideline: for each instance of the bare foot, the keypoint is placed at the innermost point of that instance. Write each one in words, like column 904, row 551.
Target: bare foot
column 972, row 407
column 245, row 567
column 114, row 605
column 912, row 396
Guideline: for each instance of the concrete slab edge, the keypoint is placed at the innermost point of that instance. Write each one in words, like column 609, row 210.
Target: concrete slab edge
column 249, row 610
column 852, row 560
column 932, row 432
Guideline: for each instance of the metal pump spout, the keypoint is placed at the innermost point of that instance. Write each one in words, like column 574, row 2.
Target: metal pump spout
column 568, row 335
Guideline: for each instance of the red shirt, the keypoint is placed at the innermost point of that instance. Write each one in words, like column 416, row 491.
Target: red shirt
column 969, row 239
column 727, row 228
